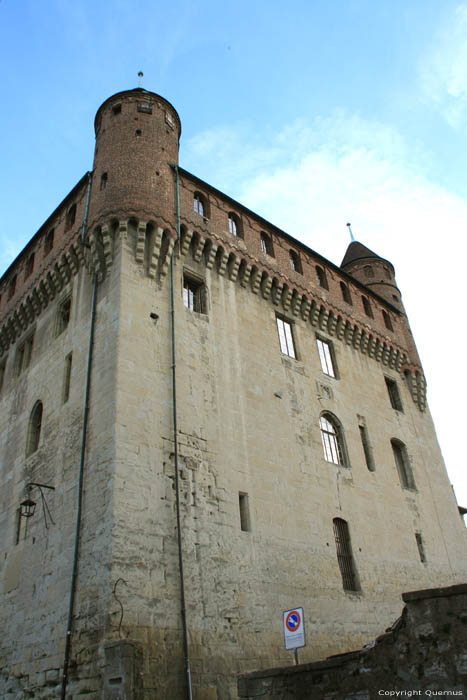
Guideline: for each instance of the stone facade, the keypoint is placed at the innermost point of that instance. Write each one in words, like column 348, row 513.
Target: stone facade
column 257, row 495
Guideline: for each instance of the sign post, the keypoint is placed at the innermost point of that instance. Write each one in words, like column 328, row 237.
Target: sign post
column 294, row 630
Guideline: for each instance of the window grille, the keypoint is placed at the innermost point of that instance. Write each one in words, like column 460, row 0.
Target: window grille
column 286, row 337
column 344, row 554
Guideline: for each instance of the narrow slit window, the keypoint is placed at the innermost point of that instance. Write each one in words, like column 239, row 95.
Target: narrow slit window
column 245, row 524
column 387, row 321
column 2, row 373
column 103, row 181
column 35, row 427
column 421, row 548
column 367, row 450
column 67, row 377
column 367, row 307
column 286, row 337
column 344, row 555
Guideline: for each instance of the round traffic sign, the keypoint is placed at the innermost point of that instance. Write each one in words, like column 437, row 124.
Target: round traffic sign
column 292, row 621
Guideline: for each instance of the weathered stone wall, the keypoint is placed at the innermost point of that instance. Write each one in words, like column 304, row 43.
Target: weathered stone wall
column 422, row 655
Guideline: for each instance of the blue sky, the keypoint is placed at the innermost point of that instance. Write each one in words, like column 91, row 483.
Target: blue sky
column 311, row 113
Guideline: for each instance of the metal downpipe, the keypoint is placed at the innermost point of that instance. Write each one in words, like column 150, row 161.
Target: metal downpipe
column 175, row 434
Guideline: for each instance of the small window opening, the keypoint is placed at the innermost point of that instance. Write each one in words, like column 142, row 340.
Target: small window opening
column 367, row 450
column 198, row 204
column 395, row 297
column 295, row 262
column 322, row 279
column 403, row 464
column 2, row 373
column 393, row 392
column 145, row 107
column 194, row 294
column 12, row 287
column 245, row 524
column 63, row 315
column 233, row 228
column 138, row 132
column 49, row 242
column 103, row 181
column 346, row 293
column 326, row 356
column 116, row 109
column 387, row 321
column 421, row 548
column 67, row 377
column 29, row 265
column 344, row 554
column 23, row 355
column 286, row 337
column 266, row 244
column 367, row 307
column 70, row 216
column 34, row 432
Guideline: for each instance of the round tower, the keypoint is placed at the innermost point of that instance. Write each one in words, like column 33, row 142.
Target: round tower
column 374, row 272
column 137, row 138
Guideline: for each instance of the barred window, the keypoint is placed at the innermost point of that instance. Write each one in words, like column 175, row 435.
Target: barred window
column 344, row 554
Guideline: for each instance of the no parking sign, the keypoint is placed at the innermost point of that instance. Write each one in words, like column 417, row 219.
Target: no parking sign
column 294, row 628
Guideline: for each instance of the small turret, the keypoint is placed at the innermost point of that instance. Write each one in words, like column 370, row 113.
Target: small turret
column 373, row 271
column 137, row 136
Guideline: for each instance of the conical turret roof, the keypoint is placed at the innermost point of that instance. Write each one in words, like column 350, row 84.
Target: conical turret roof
column 357, row 251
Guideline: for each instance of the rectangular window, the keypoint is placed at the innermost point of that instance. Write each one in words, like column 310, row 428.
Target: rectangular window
column 23, row 355
column 344, row 554
column 12, row 287
column 245, row 524
column 63, row 315
column 394, row 396
column 194, row 294
column 67, row 378
column 29, row 265
column 421, row 548
column 49, row 242
column 286, row 337
column 326, row 355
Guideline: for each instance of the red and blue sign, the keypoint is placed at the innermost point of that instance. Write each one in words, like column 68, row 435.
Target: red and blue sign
column 294, row 628
column 292, row 621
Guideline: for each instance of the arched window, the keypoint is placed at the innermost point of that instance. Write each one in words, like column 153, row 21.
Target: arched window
column 295, row 262
column 403, row 464
column 367, row 307
column 346, row 293
column 71, row 216
column 368, row 270
column 333, row 439
column 34, row 430
column 199, row 204
column 387, row 321
column 235, row 228
column 266, row 244
column 322, row 279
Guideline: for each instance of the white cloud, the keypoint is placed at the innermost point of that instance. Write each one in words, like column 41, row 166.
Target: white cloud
column 443, row 70
column 315, row 176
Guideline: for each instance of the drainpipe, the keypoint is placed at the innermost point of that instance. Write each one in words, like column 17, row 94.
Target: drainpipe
column 74, row 572
column 175, row 437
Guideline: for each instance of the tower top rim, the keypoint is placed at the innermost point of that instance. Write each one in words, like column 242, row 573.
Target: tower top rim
column 143, row 93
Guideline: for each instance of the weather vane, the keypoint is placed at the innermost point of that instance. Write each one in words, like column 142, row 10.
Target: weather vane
column 350, row 231
column 140, row 76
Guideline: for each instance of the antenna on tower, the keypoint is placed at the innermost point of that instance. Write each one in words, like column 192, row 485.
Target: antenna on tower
column 140, row 76
column 351, row 234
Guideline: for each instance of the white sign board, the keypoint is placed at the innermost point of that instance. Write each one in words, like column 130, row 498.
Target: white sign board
column 294, row 628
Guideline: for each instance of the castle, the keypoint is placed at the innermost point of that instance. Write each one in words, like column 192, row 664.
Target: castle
column 203, row 424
